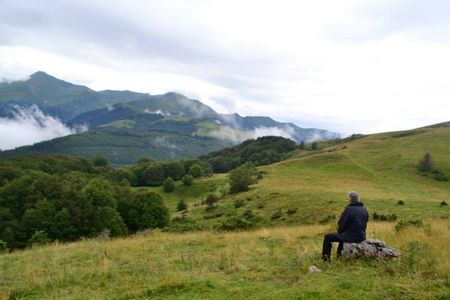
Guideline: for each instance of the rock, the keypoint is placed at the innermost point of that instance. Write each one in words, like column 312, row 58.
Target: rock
column 314, row 269
column 370, row 248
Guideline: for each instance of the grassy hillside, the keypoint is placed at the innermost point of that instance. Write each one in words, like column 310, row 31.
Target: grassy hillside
column 381, row 167
column 263, row 264
column 270, row 261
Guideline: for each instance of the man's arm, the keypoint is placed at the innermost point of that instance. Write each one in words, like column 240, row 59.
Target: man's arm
column 343, row 221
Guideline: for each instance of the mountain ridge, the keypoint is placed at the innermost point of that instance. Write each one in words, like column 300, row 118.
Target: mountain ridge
column 117, row 121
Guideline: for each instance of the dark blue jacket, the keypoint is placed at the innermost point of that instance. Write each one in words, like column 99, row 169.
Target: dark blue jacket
column 353, row 223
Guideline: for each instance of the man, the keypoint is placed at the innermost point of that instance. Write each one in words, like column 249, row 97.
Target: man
column 352, row 227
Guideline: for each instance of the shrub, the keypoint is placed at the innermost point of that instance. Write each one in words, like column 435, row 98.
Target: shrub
column 241, row 178
column 3, row 246
column 314, row 146
column 213, row 214
column 259, row 175
column 187, row 180
column 439, row 175
column 405, row 223
column 39, row 238
column 277, row 214
column 381, row 217
column 443, row 203
column 400, row 202
column 239, row 203
column 196, row 171
column 169, row 185
column 211, row 199
column 291, row 211
column 182, row 205
column 235, row 223
column 426, row 164
column 248, row 214
column 327, row 219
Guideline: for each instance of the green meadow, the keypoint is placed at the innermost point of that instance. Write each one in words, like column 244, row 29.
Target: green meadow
column 278, row 229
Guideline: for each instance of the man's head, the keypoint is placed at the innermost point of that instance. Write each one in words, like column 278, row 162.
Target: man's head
column 353, row 196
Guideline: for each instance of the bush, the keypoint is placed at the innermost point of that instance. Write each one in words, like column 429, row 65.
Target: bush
column 314, row 146
column 235, row 223
column 39, row 238
column 381, row 217
column 327, row 219
column 239, row 203
column 276, row 215
column 248, row 214
column 182, row 205
column 211, row 199
column 405, row 223
column 291, row 211
column 187, row 180
column 443, row 203
column 3, row 246
column 213, row 214
column 241, row 178
column 196, row 171
column 169, row 185
column 426, row 164
column 400, row 202
column 439, row 175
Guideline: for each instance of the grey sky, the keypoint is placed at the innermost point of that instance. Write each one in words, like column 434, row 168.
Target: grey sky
column 348, row 66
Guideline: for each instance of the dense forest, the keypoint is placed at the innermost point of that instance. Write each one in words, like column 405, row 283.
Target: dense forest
column 47, row 197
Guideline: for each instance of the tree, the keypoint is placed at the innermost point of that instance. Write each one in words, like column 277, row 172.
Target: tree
column 187, row 180
column 107, row 218
column 241, row 178
column 174, row 169
column 169, row 185
column 196, row 171
column 153, row 175
column 182, row 205
column 100, row 193
column 426, row 164
column 314, row 146
column 302, row 145
column 100, row 161
column 147, row 210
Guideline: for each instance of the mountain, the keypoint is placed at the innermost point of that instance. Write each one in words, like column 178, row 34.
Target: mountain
column 124, row 125
column 57, row 97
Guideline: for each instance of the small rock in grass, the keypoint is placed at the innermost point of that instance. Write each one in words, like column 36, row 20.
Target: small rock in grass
column 314, row 269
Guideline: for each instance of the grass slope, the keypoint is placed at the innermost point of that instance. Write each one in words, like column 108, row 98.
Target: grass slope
column 263, row 264
column 270, row 262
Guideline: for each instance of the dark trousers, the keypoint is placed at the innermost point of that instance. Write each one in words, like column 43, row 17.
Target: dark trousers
column 326, row 248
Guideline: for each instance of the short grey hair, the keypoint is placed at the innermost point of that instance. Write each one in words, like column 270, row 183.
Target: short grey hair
column 353, row 196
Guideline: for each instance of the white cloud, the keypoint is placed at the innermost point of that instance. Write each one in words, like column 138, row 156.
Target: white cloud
column 30, row 125
column 237, row 135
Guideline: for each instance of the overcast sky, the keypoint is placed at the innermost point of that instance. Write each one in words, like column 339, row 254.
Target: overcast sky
column 347, row 66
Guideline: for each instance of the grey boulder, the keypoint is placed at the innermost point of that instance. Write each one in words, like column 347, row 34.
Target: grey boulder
column 370, row 248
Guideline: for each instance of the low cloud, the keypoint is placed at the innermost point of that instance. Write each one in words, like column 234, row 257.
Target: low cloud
column 30, row 125
column 157, row 112
column 238, row 135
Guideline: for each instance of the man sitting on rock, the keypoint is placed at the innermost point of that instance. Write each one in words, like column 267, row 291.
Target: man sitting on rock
column 352, row 227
